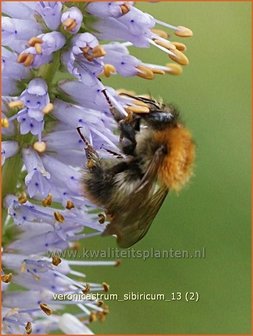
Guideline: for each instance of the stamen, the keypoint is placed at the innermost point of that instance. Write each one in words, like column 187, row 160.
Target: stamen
column 109, row 69
column 56, row 260
column 179, row 30
column 179, row 57
column 16, row 104
column 48, row 108
column 158, row 71
column 38, row 48
column 59, row 217
column 180, row 46
column 40, row 146
column 98, row 51
column 117, row 263
column 47, row 201
column 46, row 309
column 69, row 24
column 101, row 316
column 183, row 31
column 137, row 109
column 144, row 72
column 4, row 122
column 93, row 317
column 23, row 267
column 124, row 9
column 105, row 286
column 28, row 328
column 35, row 40
column 75, row 246
column 26, row 59
column 160, row 33
column 161, row 47
column 22, row 198
column 92, row 263
column 6, row 278
column 86, row 289
column 100, row 303
column 174, row 69
column 70, row 205
column 166, row 44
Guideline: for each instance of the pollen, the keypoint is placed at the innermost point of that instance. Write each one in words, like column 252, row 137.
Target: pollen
column 26, row 59
column 34, row 40
column 36, row 43
column 59, row 217
column 90, row 53
column 75, row 246
column 174, row 69
column 23, row 267
column 28, row 328
column 16, row 104
column 160, row 33
column 69, row 24
column 48, row 108
column 22, row 198
column 118, row 262
column 70, row 205
column 124, row 9
column 105, row 286
column 176, row 168
column 86, row 289
column 145, row 72
column 46, row 309
column 40, row 146
column 108, row 70
column 166, row 44
column 47, row 201
column 180, row 46
column 158, row 71
column 93, row 317
column 179, row 57
column 183, row 31
column 4, row 122
column 6, row 278
column 56, row 260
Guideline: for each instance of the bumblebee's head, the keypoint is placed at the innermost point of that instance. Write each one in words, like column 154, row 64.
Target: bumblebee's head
column 162, row 117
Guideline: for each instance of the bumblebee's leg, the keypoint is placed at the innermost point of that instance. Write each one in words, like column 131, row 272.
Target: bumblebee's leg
column 128, row 127
column 127, row 137
column 91, row 154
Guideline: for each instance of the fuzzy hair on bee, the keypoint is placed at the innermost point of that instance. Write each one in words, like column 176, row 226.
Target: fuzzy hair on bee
column 157, row 155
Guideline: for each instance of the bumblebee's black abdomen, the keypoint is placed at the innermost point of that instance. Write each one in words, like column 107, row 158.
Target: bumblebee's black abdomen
column 103, row 180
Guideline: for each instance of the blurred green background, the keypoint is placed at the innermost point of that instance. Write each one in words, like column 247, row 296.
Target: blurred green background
column 214, row 211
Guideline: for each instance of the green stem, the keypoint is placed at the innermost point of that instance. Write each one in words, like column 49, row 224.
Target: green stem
column 10, row 174
column 48, row 71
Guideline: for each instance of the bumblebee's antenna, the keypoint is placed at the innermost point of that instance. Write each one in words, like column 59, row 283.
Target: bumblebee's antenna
column 113, row 110
column 82, row 137
column 91, row 154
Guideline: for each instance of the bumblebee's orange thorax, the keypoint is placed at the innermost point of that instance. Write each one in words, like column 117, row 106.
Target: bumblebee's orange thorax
column 176, row 168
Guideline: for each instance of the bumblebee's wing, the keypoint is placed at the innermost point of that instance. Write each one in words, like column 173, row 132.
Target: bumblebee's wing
column 135, row 225
column 132, row 220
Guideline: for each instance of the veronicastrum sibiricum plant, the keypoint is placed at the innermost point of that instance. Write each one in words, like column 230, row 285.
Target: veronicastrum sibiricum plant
column 55, row 62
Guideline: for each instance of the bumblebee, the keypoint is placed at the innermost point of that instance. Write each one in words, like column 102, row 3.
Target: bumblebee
column 157, row 155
